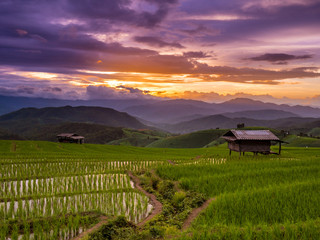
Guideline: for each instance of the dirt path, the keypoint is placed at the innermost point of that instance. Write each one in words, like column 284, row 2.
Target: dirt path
column 157, row 206
column 195, row 213
column 103, row 220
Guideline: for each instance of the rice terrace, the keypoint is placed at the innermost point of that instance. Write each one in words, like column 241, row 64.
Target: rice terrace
column 159, row 119
column 61, row 191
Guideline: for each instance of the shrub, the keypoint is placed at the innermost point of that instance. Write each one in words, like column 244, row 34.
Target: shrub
column 177, row 199
column 166, row 189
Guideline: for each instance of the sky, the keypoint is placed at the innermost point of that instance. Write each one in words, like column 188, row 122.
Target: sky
column 210, row 50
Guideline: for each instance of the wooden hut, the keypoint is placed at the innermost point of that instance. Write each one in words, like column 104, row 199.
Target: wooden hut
column 70, row 138
column 256, row 141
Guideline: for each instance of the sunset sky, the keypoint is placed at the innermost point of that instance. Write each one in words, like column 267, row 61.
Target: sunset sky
column 194, row 49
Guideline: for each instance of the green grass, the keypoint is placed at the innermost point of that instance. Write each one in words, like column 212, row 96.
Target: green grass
column 270, row 205
column 257, row 197
column 64, row 179
column 192, row 140
column 137, row 138
column 262, row 197
column 315, row 132
column 297, row 141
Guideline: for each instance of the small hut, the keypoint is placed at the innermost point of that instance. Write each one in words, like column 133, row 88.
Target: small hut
column 70, row 138
column 256, row 141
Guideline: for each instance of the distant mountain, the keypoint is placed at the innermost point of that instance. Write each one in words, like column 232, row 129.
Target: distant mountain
column 171, row 111
column 245, row 104
column 220, row 121
column 9, row 104
column 267, row 114
column 24, row 120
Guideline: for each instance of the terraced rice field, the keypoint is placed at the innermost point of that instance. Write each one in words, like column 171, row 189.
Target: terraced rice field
column 56, row 191
column 265, row 197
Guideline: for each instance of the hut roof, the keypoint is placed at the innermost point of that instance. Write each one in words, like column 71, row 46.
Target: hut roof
column 233, row 135
column 70, row 135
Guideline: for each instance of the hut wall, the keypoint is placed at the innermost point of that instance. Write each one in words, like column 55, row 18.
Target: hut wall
column 234, row 146
column 255, row 146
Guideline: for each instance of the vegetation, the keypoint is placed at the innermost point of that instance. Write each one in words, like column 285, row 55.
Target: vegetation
column 192, row 140
column 56, row 191
column 299, row 141
column 48, row 189
column 139, row 138
column 315, row 132
column 265, row 197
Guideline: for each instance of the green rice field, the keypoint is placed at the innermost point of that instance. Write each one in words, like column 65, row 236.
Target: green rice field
column 56, row 191
column 267, row 197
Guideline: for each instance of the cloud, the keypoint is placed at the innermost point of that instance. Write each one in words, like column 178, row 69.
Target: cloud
column 214, row 97
column 38, row 91
column 198, row 54
column 76, row 37
column 133, row 90
column 279, row 58
column 156, row 42
column 119, row 92
column 119, row 11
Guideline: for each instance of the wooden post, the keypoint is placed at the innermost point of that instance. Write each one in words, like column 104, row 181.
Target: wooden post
column 279, row 147
column 230, row 152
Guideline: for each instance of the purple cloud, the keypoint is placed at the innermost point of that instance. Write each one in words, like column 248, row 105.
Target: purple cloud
column 279, row 57
column 156, row 42
column 120, row 92
column 198, row 54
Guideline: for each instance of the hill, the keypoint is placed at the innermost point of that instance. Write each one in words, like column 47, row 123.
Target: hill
column 221, row 121
column 9, row 103
column 245, row 104
column 163, row 111
column 297, row 141
column 192, row 140
column 25, row 120
column 200, row 139
column 139, row 138
column 6, row 135
column 93, row 133
column 173, row 111
column 266, row 114
column 170, row 111
column 315, row 132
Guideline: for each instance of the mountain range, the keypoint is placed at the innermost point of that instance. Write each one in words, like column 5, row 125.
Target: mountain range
column 25, row 120
column 175, row 116
column 173, row 111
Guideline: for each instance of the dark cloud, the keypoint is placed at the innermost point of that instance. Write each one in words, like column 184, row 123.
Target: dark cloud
column 251, row 18
column 53, row 89
column 64, row 36
column 120, row 92
column 27, row 90
column 197, row 30
column 133, row 90
column 119, row 11
column 39, row 90
column 279, row 58
column 198, row 54
column 156, row 42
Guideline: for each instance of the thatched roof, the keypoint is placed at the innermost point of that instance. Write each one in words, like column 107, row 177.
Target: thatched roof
column 234, row 135
column 70, row 135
